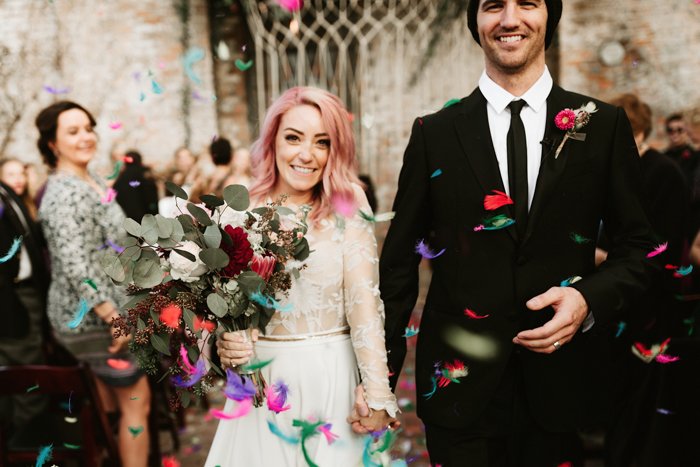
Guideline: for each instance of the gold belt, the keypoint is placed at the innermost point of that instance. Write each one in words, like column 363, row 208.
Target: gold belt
column 302, row 338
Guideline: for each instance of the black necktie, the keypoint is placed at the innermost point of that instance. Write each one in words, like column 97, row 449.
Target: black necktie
column 517, row 165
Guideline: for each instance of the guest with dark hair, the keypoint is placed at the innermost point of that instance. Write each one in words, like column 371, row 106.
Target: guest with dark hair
column 221, row 152
column 680, row 150
column 136, row 188
column 655, row 316
column 79, row 220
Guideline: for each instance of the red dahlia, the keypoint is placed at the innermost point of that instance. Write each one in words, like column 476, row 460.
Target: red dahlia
column 240, row 254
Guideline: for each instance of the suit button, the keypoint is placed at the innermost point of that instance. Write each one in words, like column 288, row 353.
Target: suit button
column 521, row 260
column 16, row 279
column 512, row 316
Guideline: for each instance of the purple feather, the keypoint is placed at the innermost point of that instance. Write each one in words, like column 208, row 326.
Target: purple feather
column 114, row 246
column 282, row 390
column 1, row 211
column 425, row 251
column 196, row 95
column 102, row 246
column 134, row 183
column 195, row 376
column 237, row 388
column 56, row 90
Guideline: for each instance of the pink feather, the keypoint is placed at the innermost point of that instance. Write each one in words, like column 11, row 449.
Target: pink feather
column 658, row 250
column 240, row 411
column 344, row 206
column 187, row 366
column 111, row 194
column 493, row 202
column 471, row 314
column 663, row 358
column 115, row 125
column 275, row 402
column 326, row 430
column 290, row 5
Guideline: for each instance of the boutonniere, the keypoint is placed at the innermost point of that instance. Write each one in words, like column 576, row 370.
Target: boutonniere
column 572, row 121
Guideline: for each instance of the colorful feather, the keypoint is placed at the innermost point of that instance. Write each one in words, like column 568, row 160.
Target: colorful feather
column 498, row 222
column 134, row 183
column 117, row 168
column 13, row 249
column 570, row 280
column 665, row 412
column 196, row 95
column 258, row 364
column 194, row 376
column 157, row 88
column 142, row 97
column 658, row 250
column 493, row 202
column 620, row 327
column 45, row 453
column 290, row 5
column 136, row 430
column 243, row 66
column 423, row 250
column 79, row 313
column 56, row 90
column 452, row 372
column 276, row 431
column 274, row 401
column 192, row 56
column 681, row 272
column 451, row 102
column 436, row 173
column 2, row 209
column 201, row 324
column 237, row 387
column 33, row 387
column 433, row 381
column 90, row 282
column 579, row 238
column 471, row 314
column 71, row 446
column 345, row 206
column 114, row 246
column 170, row 315
column 663, row 358
column 241, row 410
column 410, row 332
column 185, row 363
column 118, row 363
column 308, row 429
column 115, row 125
column 326, row 430
column 387, row 216
column 170, row 461
column 111, row 194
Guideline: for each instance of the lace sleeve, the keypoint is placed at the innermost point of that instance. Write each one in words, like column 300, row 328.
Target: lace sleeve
column 364, row 308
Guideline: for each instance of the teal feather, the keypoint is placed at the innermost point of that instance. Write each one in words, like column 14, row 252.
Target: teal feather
column 13, row 249
column 192, row 56
column 45, row 454
column 275, row 430
column 433, row 381
column 80, row 312
column 157, row 88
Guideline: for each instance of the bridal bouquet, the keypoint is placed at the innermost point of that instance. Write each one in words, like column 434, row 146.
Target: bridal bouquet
column 214, row 266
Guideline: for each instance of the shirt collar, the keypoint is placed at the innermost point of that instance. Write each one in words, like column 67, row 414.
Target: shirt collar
column 499, row 98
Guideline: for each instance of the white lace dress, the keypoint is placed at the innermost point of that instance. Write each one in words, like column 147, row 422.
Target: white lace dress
column 314, row 354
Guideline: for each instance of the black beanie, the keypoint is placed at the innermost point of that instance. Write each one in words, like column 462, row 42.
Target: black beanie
column 554, row 8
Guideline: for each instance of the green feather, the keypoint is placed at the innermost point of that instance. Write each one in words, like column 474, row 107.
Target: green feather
column 308, row 429
column 257, row 365
column 90, row 283
column 451, row 102
column 578, row 238
column 117, row 169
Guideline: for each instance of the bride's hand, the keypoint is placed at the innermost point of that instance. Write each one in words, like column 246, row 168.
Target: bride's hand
column 232, row 350
column 377, row 421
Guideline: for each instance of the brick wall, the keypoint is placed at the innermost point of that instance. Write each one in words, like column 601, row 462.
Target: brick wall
column 661, row 56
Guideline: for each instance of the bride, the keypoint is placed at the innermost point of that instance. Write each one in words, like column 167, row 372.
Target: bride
column 336, row 327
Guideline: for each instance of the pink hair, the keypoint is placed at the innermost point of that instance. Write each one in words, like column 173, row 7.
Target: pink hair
column 340, row 170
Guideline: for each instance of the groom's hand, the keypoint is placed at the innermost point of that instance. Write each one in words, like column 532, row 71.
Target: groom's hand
column 359, row 410
column 570, row 309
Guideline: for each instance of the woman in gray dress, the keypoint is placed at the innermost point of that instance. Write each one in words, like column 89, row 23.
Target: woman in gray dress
column 81, row 221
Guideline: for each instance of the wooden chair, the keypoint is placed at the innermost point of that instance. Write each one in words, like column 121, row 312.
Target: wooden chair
column 85, row 439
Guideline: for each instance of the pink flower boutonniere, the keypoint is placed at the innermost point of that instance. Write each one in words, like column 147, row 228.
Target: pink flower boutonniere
column 572, row 121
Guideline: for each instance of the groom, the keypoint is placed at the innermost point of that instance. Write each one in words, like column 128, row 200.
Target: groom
column 534, row 348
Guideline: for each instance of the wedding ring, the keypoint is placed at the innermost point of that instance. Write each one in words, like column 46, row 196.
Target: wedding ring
column 230, row 362
column 557, row 345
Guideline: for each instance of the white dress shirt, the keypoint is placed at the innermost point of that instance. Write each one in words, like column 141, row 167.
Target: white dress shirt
column 534, row 117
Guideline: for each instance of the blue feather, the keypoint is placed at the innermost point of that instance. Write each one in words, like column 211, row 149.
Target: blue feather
column 410, row 332
column 44, row 455
column 620, row 327
column 436, row 173
column 433, row 381
column 275, row 430
column 13, row 249
column 269, row 302
column 157, row 88
column 80, row 312
column 684, row 271
column 192, row 56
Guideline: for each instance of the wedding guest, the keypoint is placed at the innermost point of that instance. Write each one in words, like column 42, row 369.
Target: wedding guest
column 526, row 286
column 79, row 221
column 136, row 188
column 14, row 174
column 241, row 168
column 680, row 150
column 656, row 314
column 185, row 172
column 24, row 281
column 221, row 152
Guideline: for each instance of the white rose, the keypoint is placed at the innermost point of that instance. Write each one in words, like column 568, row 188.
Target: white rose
column 182, row 268
column 255, row 240
column 232, row 217
column 289, row 222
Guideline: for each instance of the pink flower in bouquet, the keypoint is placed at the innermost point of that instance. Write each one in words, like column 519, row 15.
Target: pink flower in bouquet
column 565, row 120
column 239, row 254
column 263, row 265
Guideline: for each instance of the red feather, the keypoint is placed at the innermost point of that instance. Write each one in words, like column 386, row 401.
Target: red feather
column 492, row 202
column 200, row 323
column 646, row 352
column 170, row 315
column 471, row 314
column 118, row 363
column 170, row 462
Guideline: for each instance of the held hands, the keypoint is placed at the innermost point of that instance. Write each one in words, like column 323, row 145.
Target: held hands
column 232, row 350
column 570, row 309
column 360, row 419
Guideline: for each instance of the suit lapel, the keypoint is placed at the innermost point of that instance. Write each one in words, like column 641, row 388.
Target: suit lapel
column 472, row 126
column 550, row 168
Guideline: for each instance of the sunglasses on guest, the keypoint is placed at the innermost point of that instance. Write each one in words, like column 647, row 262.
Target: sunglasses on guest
column 671, row 131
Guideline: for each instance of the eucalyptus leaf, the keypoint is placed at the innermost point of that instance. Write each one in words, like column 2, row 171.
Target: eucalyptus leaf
column 159, row 345
column 167, row 242
column 133, row 227
column 176, row 190
column 284, row 211
column 140, row 324
column 147, row 273
column 178, row 231
column 215, row 258
column 127, row 273
column 187, row 223
column 167, row 279
column 217, row 305
column 135, row 299
column 295, row 272
column 149, row 253
column 186, row 254
column 188, row 316
column 193, row 353
column 132, row 250
column 240, row 308
column 155, row 317
column 199, row 214
column 226, row 237
column 165, row 228
column 211, row 200
column 262, row 210
column 254, row 320
column 214, row 365
column 111, row 265
column 212, row 236
column 237, row 197
column 250, row 282
column 301, row 251
column 149, row 229
column 185, row 399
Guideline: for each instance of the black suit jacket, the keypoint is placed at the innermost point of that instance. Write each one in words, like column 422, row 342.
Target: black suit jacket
column 13, row 316
column 492, row 273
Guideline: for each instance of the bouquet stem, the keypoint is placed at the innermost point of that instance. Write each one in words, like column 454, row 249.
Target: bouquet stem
column 250, row 369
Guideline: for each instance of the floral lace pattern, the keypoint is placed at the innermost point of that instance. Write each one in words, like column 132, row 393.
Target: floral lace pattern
column 339, row 289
